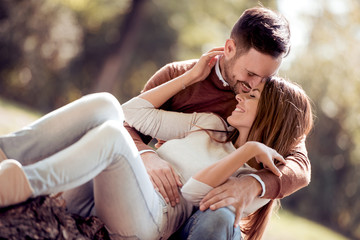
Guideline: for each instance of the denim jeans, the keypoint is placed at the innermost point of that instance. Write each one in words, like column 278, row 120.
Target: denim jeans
column 210, row 225
column 84, row 150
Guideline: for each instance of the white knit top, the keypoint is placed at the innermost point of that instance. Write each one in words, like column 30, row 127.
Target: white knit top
column 187, row 149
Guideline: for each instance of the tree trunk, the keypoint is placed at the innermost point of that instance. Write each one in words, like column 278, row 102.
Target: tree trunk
column 46, row 218
column 117, row 63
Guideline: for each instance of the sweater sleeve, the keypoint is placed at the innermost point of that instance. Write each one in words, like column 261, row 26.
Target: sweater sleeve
column 163, row 75
column 296, row 174
column 157, row 123
column 194, row 191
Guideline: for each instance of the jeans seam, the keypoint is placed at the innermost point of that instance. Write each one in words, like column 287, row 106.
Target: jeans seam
column 196, row 219
column 143, row 197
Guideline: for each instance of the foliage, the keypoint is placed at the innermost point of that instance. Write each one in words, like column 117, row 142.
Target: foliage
column 328, row 70
column 62, row 48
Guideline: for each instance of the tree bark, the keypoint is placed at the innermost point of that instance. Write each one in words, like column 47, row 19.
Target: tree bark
column 46, row 218
column 117, row 62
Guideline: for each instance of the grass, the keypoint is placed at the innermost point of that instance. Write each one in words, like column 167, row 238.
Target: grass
column 287, row 226
column 283, row 226
column 14, row 116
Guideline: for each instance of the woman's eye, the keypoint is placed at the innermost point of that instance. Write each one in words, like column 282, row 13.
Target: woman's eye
column 252, row 96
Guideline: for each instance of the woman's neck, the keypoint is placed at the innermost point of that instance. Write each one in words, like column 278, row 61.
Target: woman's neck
column 241, row 140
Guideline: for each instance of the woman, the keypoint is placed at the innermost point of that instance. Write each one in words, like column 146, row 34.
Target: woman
column 102, row 151
column 283, row 117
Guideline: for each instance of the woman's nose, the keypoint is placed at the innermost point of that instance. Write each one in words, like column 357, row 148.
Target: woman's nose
column 239, row 97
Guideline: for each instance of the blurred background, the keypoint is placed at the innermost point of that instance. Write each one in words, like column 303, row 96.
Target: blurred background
column 55, row 51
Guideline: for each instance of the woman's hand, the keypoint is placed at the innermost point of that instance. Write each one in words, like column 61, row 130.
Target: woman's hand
column 203, row 67
column 266, row 156
column 159, row 95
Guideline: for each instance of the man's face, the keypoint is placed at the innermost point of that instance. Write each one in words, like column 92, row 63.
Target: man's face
column 246, row 71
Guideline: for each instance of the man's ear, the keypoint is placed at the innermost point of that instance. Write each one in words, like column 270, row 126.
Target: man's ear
column 230, row 48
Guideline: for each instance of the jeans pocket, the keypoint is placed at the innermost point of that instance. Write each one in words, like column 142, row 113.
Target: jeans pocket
column 162, row 201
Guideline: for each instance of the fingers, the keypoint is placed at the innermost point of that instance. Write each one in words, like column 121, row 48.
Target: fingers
column 274, row 169
column 221, row 203
column 212, row 198
column 213, row 54
column 171, row 188
column 217, row 49
column 159, row 143
column 280, row 158
column 210, row 57
column 163, row 177
column 211, row 194
column 160, row 187
column 267, row 156
column 238, row 216
column 177, row 178
column 167, row 186
column 154, row 184
column 272, row 166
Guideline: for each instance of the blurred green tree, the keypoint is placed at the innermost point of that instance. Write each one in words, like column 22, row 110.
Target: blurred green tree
column 328, row 70
column 52, row 52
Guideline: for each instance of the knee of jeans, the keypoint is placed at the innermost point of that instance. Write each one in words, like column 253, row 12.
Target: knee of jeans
column 111, row 129
column 108, row 106
column 116, row 135
column 221, row 218
column 216, row 224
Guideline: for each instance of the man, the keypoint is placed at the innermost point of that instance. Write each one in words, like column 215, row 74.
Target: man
column 258, row 42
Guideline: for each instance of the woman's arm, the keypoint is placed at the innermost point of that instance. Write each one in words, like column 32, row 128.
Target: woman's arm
column 143, row 114
column 217, row 173
column 160, row 94
column 196, row 188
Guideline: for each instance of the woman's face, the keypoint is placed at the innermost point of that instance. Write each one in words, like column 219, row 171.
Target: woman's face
column 245, row 111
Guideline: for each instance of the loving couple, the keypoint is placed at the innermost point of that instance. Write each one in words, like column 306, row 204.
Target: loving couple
column 234, row 143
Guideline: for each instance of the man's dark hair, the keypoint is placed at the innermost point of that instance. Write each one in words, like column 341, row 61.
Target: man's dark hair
column 262, row 29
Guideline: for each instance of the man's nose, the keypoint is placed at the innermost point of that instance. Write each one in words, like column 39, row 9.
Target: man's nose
column 253, row 82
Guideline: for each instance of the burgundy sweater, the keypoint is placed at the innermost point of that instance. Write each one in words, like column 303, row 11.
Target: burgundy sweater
column 211, row 96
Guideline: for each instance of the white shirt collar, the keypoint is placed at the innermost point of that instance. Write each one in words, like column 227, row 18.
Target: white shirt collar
column 218, row 73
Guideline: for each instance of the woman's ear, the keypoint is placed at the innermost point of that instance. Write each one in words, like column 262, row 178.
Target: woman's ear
column 230, row 48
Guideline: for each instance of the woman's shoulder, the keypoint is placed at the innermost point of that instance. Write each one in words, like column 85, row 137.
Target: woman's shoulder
column 210, row 121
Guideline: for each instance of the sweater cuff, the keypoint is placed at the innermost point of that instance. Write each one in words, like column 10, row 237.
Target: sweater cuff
column 261, row 183
column 146, row 150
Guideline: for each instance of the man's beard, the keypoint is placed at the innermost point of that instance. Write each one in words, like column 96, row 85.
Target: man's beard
column 230, row 79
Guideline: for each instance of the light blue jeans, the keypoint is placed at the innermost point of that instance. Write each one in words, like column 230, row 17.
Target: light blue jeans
column 84, row 150
column 209, row 225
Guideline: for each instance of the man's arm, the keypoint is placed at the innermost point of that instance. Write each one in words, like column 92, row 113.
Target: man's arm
column 240, row 192
column 141, row 141
column 296, row 174
column 217, row 173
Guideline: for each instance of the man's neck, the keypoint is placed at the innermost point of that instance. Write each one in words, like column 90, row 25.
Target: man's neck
column 221, row 65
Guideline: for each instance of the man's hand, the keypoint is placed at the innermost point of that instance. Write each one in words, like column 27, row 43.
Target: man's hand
column 238, row 192
column 163, row 177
